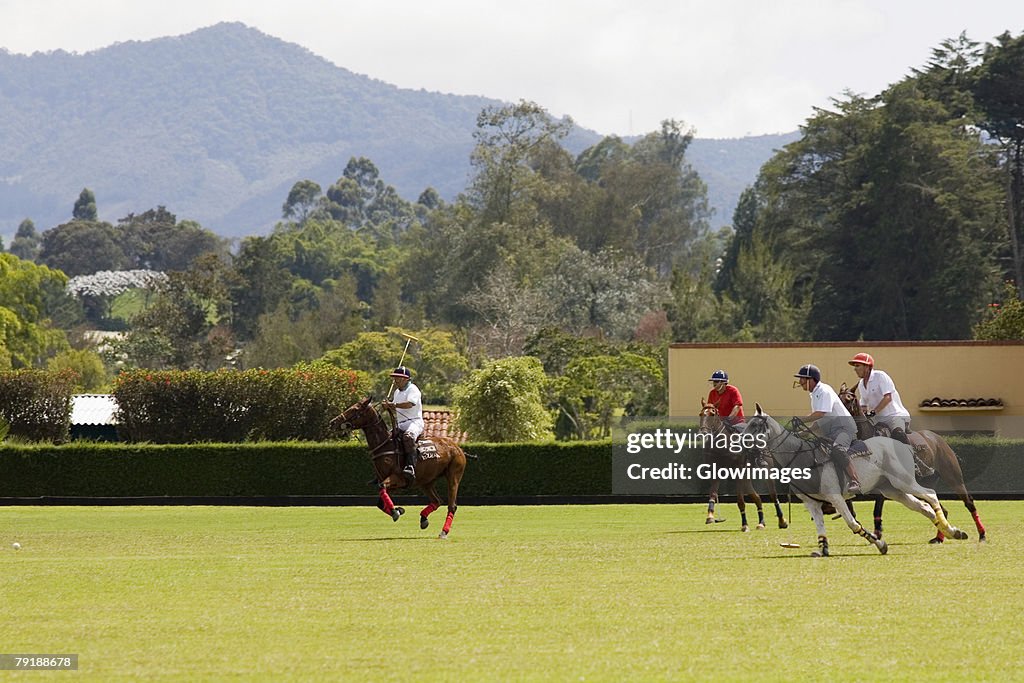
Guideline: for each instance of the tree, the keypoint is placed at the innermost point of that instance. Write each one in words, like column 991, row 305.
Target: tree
column 1005, row 320
column 85, row 206
column 435, row 359
column 502, row 401
column 594, row 388
column 302, row 201
column 82, row 247
column 25, row 244
column 999, row 93
column 87, row 366
column 156, row 240
column 27, row 337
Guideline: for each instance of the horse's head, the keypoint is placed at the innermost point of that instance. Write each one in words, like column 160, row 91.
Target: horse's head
column 710, row 420
column 763, row 423
column 356, row 416
column 849, row 398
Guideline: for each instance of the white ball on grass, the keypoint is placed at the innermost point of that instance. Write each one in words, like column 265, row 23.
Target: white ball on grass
column 16, row 545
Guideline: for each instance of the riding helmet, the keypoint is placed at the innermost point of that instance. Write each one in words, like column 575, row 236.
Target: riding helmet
column 863, row 359
column 809, row 372
column 401, row 371
column 719, row 376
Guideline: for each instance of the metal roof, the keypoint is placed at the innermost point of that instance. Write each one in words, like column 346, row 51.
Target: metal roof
column 93, row 409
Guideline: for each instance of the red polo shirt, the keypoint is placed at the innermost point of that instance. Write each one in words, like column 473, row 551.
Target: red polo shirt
column 726, row 401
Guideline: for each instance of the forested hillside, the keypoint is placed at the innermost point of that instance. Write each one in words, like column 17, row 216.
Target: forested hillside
column 218, row 124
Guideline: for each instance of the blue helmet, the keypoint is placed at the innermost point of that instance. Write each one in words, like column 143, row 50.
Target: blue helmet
column 809, row 372
column 719, row 376
column 401, row 371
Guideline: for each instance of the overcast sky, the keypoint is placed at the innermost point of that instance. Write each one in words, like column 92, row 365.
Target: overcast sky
column 728, row 68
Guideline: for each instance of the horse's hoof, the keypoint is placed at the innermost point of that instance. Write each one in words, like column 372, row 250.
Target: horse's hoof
column 882, row 546
column 982, row 538
column 709, row 520
column 396, row 513
column 960, row 534
column 424, row 522
column 443, row 535
column 783, row 524
column 760, row 526
column 746, row 529
column 936, row 540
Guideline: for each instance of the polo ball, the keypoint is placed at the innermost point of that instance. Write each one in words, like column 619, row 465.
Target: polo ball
column 16, row 545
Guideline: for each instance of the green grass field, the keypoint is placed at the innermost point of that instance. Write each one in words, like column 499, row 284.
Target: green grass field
column 517, row 593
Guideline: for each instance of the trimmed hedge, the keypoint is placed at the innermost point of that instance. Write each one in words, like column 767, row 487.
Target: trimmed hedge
column 283, row 469
column 991, row 466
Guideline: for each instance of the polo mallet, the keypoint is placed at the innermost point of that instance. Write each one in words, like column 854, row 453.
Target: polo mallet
column 790, row 544
column 408, row 338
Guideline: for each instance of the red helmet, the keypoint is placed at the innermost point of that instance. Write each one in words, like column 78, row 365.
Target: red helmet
column 863, row 359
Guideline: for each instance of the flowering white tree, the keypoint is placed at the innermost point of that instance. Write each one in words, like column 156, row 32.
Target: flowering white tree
column 98, row 290
column 110, row 283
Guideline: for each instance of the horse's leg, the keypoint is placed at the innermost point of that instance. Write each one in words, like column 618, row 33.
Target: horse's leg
column 948, row 467
column 385, row 503
column 742, row 504
column 968, row 500
column 856, row 527
column 758, row 503
column 712, row 501
column 879, row 502
column 814, row 507
column 783, row 524
column 454, row 476
column 906, row 482
column 435, row 502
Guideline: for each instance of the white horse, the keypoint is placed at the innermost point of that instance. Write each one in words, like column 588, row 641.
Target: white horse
column 888, row 469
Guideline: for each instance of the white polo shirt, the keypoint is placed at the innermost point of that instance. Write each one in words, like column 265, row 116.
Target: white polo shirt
column 825, row 399
column 409, row 419
column 877, row 385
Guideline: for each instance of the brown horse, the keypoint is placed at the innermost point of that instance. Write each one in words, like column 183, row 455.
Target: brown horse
column 930, row 448
column 439, row 457
column 712, row 423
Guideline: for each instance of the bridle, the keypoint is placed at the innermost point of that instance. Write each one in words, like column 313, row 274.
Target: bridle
column 347, row 425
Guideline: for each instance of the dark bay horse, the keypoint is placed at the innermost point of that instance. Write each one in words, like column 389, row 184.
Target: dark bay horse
column 712, row 423
column 930, row 448
column 439, row 457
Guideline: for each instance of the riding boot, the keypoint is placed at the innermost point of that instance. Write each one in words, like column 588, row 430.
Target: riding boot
column 900, row 435
column 409, row 445
column 853, row 484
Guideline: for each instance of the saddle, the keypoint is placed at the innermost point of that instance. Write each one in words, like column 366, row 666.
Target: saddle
column 858, row 447
column 425, row 448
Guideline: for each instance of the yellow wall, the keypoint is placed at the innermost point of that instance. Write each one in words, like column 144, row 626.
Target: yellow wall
column 764, row 373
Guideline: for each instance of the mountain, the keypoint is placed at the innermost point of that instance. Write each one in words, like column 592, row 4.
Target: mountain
column 217, row 125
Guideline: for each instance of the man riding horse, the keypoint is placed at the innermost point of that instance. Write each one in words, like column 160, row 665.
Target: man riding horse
column 408, row 406
column 832, row 420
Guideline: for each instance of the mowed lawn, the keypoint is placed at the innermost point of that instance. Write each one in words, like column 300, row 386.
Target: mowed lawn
column 630, row 592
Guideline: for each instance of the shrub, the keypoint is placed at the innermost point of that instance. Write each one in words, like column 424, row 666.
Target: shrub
column 37, row 404
column 228, row 406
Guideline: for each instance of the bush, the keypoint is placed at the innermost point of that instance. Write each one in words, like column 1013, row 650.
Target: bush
column 228, row 406
column 503, row 401
column 37, row 404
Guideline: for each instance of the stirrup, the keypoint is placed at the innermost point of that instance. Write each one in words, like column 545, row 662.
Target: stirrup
column 409, row 476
